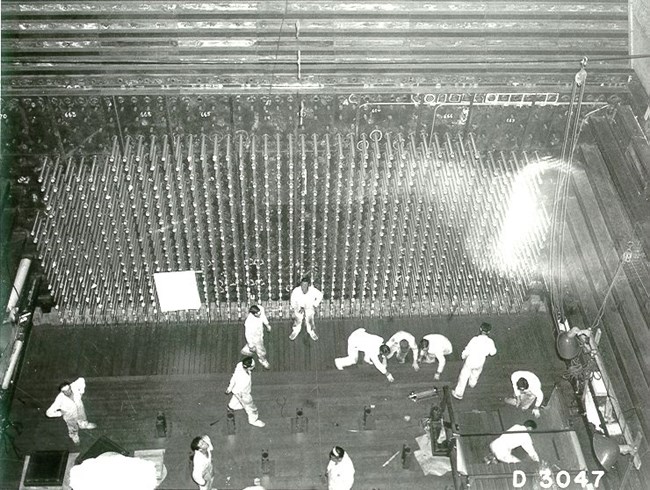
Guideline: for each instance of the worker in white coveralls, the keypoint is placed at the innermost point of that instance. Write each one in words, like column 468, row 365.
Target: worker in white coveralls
column 374, row 352
column 240, row 388
column 340, row 470
column 434, row 347
column 304, row 301
column 528, row 391
column 254, row 326
column 69, row 405
column 516, row 436
column 474, row 354
column 202, row 469
column 399, row 345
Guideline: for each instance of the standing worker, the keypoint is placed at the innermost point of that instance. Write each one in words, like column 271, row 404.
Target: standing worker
column 399, row 345
column 373, row 348
column 475, row 353
column 202, row 472
column 528, row 391
column 304, row 301
column 434, row 347
column 340, row 470
column 69, row 405
column 240, row 388
column 254, row 332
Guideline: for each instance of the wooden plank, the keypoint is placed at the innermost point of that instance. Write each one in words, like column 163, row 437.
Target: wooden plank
column 302, row 9
column 170, row 346
column 619, row 228
column 599, row 284
column 149, row 360
column 125, row 407
column 632, row 316
column 214, row 358
column 167, row 354
column 615, row 332
column 116, row 39
column 628, row 187
column 198, row 366
column 629, row 125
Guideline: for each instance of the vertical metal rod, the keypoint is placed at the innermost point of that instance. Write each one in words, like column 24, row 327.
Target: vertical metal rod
column 232, row 203
column 245, row 243
column 303, row 204
column 315, row 211
column 278, row 177
column 267, row 219
column 292, row 190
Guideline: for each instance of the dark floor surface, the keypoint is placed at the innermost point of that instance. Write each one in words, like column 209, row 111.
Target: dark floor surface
column 133, row 372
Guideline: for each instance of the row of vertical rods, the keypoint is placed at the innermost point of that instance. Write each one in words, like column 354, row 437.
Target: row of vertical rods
column 388, row 219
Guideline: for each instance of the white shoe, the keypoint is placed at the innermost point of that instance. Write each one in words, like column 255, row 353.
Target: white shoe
column 313, row 336
column 87, row 425
column 338, row 366
column 293, row 335
column 258, row 423
column 453, row 393
column 265, row 364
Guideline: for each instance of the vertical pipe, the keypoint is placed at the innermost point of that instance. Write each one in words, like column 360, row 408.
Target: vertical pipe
column 257, row 280
column 232, row 204
column 292, row 189
column 315, row 211
column 278, row 177
column 222, row 271
column 245, row 243
column 19, row 283
column 267, row 220
column 303, row 204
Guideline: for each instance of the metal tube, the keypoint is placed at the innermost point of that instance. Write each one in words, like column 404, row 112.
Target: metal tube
column 19, row 282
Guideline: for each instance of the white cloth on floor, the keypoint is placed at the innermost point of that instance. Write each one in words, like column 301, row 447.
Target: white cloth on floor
column 110, row 471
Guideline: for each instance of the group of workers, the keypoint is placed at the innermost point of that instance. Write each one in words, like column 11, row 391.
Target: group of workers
column 527, row 388
column 305, row 299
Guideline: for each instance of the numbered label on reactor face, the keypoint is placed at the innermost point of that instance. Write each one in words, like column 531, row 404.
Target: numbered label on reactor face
column 560, row 479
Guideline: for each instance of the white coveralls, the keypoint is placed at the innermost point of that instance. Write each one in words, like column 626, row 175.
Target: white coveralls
column 340, row 475
column 395, row 349
column 533, row 396
column 240, row 387
column 71, row 409
column 439, row 347
column 202, row 472
column 503, row 445
column 362, row 341
column 304, row 307
column 474, row 354
column 254, row 332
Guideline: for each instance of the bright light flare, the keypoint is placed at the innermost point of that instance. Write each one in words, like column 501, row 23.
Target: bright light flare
column 522, row 225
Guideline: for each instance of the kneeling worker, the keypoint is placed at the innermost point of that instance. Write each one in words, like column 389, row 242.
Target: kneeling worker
column 516, row 436
column 374, row 352
column 528, row 391
column 434, row 347
column 399, row 345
